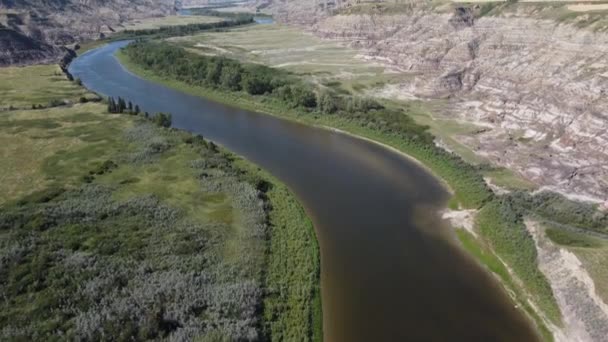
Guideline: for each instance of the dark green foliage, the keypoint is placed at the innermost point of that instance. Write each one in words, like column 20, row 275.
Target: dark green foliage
column 117, row 106
column 303, row 96
column 568, row 238
column 327, row 103
column 105, row 167
column 122, row 105
column 185, row 30
column 112, row 108
column 56, row 103
column 230, row 78
column 162, row 120
column 82, row 264
column 501, row 223
column 557, row 208
column 256, row 80
column 42, row 196
column 217, row 72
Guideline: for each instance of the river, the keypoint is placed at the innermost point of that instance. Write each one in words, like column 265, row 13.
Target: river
column 390, row 271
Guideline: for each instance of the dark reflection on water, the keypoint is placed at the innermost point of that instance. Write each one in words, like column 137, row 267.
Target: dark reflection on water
column 389, row 272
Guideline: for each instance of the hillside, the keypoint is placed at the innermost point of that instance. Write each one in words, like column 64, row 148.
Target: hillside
column 531, row 77
column 17, row 48
column 34, row 30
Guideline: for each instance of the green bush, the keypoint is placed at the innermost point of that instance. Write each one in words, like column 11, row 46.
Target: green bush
column 571, row 239
column 501, row 224
column 162, row 119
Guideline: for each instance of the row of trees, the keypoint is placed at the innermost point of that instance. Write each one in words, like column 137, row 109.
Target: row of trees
column 185, row 30
column 287, row 90
column 231, row 75
column 122, row 106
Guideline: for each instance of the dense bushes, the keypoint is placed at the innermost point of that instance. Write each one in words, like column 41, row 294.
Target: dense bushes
column 185, row 30
column 110, row 259
column 501, row 223
column 120, row 106
column 557, row 208
column 231, row 75
column 98, row 268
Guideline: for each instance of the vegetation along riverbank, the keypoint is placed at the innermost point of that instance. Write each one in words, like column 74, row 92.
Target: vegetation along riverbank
column 503, row 244
column 113, row 224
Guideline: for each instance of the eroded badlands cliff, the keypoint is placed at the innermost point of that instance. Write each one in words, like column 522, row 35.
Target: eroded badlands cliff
column 536, row 87
column 32, row 31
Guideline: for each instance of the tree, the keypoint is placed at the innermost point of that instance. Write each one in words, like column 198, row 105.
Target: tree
column 137, row 111
column 231, row 78
column 130, row 107
column 302, row 96
column 122, row 105
column 214, row 72
column 327, row 103
column 162, row 119
column 111, row 105
column 255, row 85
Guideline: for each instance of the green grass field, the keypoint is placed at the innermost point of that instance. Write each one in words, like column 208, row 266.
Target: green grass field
column 110, row 225
column 176, row 20
column 36, row 85
column 591, row 250
column 290, row 49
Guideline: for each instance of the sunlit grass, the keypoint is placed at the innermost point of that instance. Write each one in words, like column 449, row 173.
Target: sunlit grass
column 36, row 85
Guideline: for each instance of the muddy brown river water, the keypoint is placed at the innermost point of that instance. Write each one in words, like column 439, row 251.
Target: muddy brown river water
column 390, row 270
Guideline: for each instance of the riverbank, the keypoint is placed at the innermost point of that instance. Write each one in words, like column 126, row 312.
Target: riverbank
column 450, row 173
column 112, row 225
column 468, row 187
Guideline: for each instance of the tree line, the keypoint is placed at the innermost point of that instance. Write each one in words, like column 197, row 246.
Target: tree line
column 185, row 30
column 122, row 106
column 291, row 92
column 232, row 75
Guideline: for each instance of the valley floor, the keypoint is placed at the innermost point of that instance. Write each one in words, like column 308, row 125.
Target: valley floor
column 113, row 226
column 328, row 65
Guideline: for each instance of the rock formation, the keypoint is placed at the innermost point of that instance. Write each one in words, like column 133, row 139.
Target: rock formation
column 33, row 30
column 537, row 86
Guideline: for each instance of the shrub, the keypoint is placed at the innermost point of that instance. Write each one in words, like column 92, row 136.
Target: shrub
column 162, row 120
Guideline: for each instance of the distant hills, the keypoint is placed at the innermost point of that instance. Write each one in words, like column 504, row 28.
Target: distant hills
column 33, row 31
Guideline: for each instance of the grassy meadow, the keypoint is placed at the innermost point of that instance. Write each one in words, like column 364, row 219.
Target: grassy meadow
column 113, row 226
column 176, row 20
column 290, row 49
column 39, row 85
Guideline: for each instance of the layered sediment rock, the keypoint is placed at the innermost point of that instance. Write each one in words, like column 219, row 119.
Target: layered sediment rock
column 33, row 31
column 536, row 86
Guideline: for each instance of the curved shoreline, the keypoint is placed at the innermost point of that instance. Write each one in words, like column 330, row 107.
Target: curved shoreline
column 236, row 101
